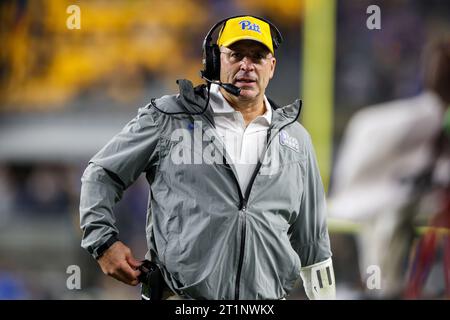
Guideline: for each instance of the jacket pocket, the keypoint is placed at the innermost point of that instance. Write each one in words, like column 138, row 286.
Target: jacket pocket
column 290, row 272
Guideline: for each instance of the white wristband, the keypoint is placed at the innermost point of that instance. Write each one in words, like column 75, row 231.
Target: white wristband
column 318, row 280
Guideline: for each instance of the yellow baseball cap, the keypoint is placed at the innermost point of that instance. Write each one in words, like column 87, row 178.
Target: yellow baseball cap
column 245, row 28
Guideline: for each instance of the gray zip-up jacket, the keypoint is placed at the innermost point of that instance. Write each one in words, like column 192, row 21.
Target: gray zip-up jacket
column 211, row 239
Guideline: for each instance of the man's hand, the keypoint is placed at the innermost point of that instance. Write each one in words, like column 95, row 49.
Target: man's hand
column 118, row 262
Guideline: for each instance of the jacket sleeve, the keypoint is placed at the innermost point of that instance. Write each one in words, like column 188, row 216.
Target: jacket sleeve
column 309, row 233
column 113, row 169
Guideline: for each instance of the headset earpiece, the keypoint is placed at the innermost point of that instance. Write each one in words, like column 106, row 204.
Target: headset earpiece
column 211, row 61
column 207, row 61
column 215, row 62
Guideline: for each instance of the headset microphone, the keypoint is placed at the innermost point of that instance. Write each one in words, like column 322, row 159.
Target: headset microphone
column 231, row 88
column 235, row 91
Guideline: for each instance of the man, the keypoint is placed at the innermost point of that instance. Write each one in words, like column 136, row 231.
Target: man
column 236, row 205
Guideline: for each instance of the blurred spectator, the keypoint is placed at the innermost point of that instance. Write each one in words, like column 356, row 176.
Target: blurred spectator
column 389, row 166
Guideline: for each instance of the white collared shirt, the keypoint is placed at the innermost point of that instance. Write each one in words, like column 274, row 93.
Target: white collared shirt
column 244, row 145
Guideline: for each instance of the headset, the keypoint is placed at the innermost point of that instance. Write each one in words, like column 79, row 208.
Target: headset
column 211, row 62
column 211, row 53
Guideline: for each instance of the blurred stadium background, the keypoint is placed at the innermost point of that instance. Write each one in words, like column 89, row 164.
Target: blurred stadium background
column 64, row 93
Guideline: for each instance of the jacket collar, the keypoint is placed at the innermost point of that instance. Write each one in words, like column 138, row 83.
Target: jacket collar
column 194, row 100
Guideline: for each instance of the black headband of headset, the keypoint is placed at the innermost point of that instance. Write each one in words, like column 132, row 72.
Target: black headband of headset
column 277, row 38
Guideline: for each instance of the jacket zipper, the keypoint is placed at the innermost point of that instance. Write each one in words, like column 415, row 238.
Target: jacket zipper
column 243, row 207
column 244, row 200
column 241, row 251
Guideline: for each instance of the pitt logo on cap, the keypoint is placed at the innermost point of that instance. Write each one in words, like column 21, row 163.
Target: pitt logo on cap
column 246, row 24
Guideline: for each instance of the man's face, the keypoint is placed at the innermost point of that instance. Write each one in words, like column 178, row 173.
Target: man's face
column 248, row 65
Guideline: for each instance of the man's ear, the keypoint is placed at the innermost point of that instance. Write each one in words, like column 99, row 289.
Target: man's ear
column 272, row 67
